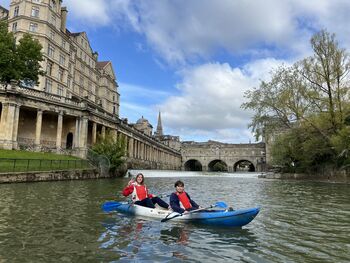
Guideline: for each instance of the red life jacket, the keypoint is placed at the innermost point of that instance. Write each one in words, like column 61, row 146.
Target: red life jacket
column 139, row 193
column 184, row 200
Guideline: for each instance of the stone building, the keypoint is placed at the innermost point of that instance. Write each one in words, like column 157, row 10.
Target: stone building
column 77, row 98
column 3, row 13
column 144, row 126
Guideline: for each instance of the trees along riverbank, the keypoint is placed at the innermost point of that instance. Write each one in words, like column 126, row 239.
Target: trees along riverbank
column 113, row 149
column 304, row 110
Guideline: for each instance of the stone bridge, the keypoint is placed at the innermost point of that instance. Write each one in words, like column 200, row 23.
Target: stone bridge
column 216, row 156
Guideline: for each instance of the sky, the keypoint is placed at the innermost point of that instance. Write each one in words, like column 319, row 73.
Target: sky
column 192, row 60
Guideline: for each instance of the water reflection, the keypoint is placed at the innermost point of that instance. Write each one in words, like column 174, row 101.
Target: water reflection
column 62, row 221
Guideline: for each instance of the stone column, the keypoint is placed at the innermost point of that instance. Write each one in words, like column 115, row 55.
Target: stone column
column 76, row 133
column 83, row 132
column 7, row 125
column 39, row 119
column 94, row 131
column 59, row 131
column 103, row 132
column 15, row 128
column 131, row 147
column 83, row 136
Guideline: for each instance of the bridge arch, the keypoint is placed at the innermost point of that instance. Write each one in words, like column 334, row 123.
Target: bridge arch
column 217, row 166
column 244, row 166
column 193, row 165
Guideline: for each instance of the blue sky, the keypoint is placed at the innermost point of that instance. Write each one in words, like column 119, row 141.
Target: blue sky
column 194, row 59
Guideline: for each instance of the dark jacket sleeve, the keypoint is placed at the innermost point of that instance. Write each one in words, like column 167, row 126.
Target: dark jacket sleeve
column 175, row 203
column 193, row 203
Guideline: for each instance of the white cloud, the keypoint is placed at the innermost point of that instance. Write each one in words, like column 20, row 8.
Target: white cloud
column 210, row 100
column 183, row 30
column 89, row 12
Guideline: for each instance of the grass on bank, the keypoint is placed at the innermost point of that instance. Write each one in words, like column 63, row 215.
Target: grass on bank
column 21, row 161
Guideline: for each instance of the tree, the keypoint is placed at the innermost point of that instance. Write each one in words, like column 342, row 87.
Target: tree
column 19, row 62
column 112, row 148
column 8, row 57
column 307, row 105
column 30, row 56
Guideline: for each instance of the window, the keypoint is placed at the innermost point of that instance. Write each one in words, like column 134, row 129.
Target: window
column 14, row 27
column 53, row 19
column 60, row 90
column 81, row 81
column 33, row 27
column 48, row 86
column 63, row 43
column 36, row 1
column 52, row 4
column 52, row 34
column 62, row 59
column 82, row 67
column 60, row 74
column 16, row 11
column 49, row 68
column 35, row 11
column 68, row 82
column 50, row 51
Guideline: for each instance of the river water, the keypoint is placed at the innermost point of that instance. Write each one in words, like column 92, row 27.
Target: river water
column 300, row 221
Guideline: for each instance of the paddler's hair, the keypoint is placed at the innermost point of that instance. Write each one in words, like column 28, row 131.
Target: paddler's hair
column 179, row 183
column 143, row 178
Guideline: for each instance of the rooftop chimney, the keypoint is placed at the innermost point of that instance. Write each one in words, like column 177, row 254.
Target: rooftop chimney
column 64, row 12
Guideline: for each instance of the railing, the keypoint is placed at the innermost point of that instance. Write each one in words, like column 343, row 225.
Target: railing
column 25, row 165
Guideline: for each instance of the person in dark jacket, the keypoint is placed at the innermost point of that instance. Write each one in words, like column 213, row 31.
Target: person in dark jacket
column 180, row 201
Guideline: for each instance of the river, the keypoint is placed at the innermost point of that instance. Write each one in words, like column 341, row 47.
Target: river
column 299, row 221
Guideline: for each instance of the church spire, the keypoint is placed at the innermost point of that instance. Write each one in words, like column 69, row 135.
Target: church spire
column 159, row 131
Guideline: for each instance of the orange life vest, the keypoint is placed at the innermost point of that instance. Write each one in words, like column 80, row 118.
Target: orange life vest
column 184, row 200
column 139, row 193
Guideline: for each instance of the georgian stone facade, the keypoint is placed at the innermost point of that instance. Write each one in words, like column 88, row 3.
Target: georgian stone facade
column 76, row 100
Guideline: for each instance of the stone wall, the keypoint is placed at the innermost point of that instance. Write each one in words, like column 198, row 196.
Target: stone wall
column 24, row 177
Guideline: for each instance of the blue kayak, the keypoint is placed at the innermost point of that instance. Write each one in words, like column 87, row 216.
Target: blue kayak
column 221, row 217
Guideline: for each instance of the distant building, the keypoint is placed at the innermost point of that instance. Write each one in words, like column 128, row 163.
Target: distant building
column 159, row 131
column 144, row 126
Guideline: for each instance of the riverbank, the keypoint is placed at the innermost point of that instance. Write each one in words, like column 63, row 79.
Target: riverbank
column 333, row 176
column 40, row 176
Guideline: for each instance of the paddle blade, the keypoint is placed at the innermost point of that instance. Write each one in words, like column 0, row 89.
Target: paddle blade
column 221, row 204
column 110, row 206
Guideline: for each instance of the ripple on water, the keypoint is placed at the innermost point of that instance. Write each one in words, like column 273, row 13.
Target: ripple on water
column 298, row 222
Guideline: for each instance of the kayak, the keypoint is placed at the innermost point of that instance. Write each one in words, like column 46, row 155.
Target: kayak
column 221, row 217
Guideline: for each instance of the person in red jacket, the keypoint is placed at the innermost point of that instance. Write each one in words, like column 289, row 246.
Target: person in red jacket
column 180, row 201
column 139, row 193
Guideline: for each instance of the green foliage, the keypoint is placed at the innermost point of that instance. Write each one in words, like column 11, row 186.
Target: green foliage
column 112, row 148
column 29, row 52
column 8, row 57
column 19, row 62
column 306, row 108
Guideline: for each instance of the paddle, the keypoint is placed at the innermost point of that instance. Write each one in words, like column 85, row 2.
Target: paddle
column 217, row 204
column 111, row 205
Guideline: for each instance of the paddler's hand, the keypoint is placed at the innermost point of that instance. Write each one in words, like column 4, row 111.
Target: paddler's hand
column 131, row 182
